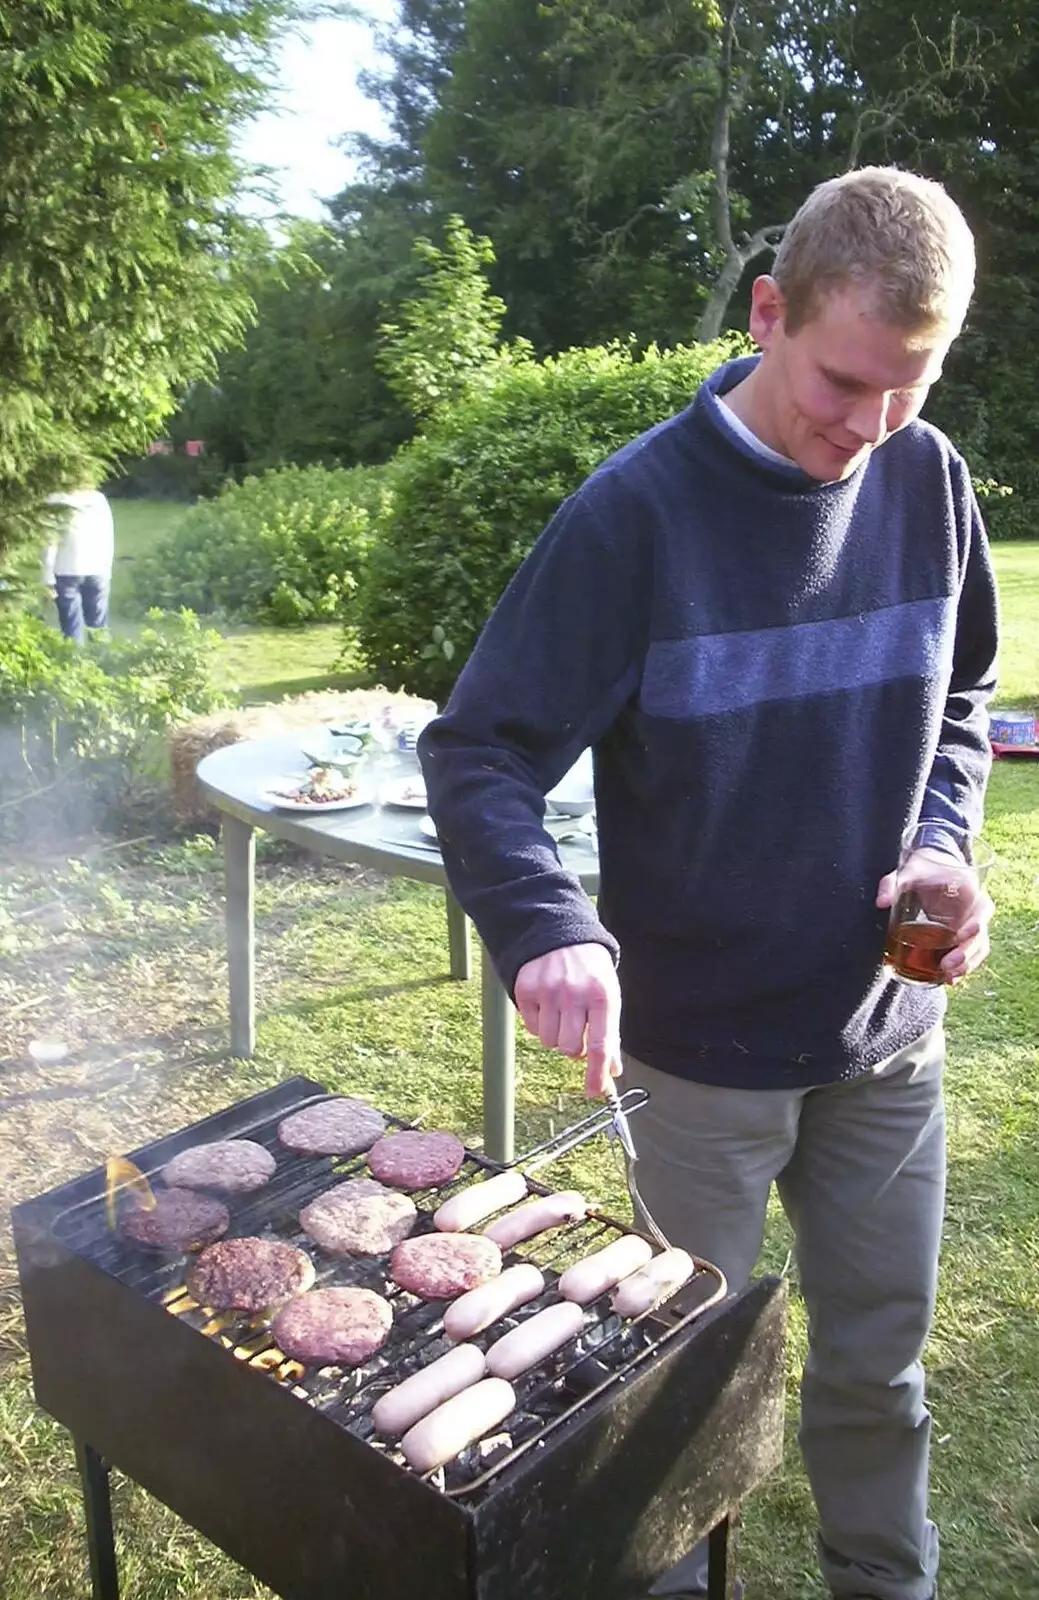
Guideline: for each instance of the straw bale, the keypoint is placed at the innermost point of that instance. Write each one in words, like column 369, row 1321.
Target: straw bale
column 188, row 744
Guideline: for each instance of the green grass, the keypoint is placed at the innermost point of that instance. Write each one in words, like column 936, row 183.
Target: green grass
column 1017, row 572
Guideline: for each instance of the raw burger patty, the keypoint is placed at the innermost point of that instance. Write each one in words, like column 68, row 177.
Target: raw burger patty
column 412, row 1160
column 233, row 1165
column 359, row 1218
column 332, row 1128
column 179, row 1220
column 439, row 1266
column 342, row 1327
column 249, row 1274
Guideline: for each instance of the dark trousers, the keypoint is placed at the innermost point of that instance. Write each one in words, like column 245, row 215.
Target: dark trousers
column 82, row 604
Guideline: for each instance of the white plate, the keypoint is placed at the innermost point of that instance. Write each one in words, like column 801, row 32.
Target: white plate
column 286, row 801
column 410, row 793
column 574, row 794
column 428, row 827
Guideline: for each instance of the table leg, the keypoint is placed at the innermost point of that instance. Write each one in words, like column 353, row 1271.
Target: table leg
column 499, row 1065
column 239, row 883
column 458, row 940
column 97, row 1503
column 721, row 1577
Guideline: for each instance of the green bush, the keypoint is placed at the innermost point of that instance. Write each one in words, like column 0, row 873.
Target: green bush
column 283, row 548
column 85, row 727
column 472, row 494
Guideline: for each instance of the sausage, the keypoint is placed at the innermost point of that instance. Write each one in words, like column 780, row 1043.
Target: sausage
column 447, row 1430
column 586, row 1280
column 538, row 1337
column 485, row 1304
column 657, row 1281
column 420, row 1394
column 548, row 1211
column 479, row 1200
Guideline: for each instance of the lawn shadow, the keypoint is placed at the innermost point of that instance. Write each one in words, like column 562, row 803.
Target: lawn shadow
column 337, row 997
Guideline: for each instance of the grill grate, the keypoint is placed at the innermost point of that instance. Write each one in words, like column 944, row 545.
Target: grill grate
column 547, row 1396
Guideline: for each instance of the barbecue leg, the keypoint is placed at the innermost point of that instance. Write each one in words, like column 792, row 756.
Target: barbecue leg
column 97, row 1504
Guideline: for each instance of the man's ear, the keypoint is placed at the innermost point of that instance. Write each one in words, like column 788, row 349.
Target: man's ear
column 767, row 310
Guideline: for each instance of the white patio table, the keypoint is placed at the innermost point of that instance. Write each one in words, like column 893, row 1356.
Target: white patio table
column 387, row 839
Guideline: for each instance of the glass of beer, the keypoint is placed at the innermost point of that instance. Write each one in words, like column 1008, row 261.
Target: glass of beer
column 941, row 870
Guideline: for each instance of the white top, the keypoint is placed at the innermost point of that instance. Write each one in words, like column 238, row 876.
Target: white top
column 87, row 547
column 741, row 430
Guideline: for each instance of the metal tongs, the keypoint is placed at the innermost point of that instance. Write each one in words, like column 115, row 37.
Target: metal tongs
column 613, row 1117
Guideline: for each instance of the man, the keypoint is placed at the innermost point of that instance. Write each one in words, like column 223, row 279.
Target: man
column 773, row 617
column 77, row 565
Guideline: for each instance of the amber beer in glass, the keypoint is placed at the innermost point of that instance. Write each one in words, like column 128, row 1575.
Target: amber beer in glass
column 941, row 870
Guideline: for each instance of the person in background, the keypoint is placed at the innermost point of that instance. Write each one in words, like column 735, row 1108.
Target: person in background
column 77, row 564
column 773, row 619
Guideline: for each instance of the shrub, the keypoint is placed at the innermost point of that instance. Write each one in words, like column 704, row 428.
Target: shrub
column 282, row 548
column 85, row 727
column 472, row 494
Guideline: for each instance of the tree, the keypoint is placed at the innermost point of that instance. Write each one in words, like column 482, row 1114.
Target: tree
column 123, row 256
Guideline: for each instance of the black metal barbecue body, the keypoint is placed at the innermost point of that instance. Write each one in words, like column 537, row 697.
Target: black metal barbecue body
column 596, row 1508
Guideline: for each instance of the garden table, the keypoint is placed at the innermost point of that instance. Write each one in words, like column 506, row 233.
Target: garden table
column 385, row 838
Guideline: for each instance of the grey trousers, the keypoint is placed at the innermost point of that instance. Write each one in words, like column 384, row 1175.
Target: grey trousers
column 860, row 1169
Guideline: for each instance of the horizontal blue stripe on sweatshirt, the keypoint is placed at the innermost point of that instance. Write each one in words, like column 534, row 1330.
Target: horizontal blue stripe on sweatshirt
column 713, row 674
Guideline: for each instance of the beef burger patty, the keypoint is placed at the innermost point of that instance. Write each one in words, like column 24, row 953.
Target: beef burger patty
column 249, row 1274
column 340, row 1127
column 235, row 1166
column 333, row 1327
column 413, row 1160
column 359, row 1218
column 180, row 1219
column 439, row 1266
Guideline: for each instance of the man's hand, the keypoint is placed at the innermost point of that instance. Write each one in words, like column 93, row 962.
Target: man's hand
column 926, row 874
column 570, row 999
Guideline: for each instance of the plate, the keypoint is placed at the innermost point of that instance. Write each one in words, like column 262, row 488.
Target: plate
column 428, row 828
column 574, row 794
column 409, row 793
column 279, row 795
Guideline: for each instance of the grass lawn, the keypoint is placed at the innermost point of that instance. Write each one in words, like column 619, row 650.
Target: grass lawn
column 120, row 952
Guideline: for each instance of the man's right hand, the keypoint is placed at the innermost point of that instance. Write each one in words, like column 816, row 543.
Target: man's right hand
column 570, row 999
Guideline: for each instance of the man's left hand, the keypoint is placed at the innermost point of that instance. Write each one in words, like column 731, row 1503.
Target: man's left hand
column 972, row 940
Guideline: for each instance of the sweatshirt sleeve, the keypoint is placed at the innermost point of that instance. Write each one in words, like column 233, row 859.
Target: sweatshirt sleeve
column 955, row 790
column 560, row 656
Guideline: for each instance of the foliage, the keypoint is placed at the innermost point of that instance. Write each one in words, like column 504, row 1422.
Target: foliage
column 471, row 495
column 123, row 245
column 283, row 548
column 447, row 335
column 87, row 721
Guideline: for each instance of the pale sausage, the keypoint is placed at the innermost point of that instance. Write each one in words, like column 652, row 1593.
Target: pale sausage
column 586, row 1280
column 447, row 1430
column 540, row 1336
column 481, row 1306
column 657, row 1281
column 548, row 1211
column 479, row 1200
column 420, row 1394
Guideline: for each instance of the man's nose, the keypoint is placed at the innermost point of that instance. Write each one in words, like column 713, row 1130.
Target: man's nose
column 868, row 418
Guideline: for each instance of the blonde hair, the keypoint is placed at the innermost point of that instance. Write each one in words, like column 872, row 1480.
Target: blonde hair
column 896, row 232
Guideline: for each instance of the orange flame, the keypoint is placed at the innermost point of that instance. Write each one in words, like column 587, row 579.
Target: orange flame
column 121, row 1175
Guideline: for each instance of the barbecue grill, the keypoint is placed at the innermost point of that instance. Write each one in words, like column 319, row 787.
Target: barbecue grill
column 624, row 1448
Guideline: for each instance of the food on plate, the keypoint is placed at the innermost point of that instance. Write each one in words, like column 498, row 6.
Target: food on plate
column 322, row 786
column 439, row 1266
column 440, row 1436
column 333, row 1327
column 537, row 1216
column 539, row 1337
column 652, row 1284
column 479, row 1200
column 414, row 1160
column 334, row 1127
column 359, row 1218
column 180, row 1219
column 234, row 1166
column 249, row 1274
column 586, row 1280
column 420, row 1394
column 478, row 1309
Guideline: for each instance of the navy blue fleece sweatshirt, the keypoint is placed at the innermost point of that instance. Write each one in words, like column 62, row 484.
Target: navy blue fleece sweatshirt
column 777, row 676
